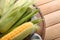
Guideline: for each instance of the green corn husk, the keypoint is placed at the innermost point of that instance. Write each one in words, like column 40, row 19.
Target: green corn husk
column 28, row 11
column 11, row 17
column 26, row 18
column 4, row 5
column 8, row 4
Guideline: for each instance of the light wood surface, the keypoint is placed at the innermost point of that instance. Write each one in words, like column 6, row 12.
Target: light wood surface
column 52, row 32
column 41, row 2
column 52, row 18
column 51, row 11
column 57, row 39
column 50, row 7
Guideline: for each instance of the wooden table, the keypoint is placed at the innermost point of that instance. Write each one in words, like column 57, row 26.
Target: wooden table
column 51, row 13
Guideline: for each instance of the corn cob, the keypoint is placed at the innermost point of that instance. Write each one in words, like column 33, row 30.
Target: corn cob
column 24, row 19
column 25, row 14
column 7, row 22
column 20, row 32
column 10, row 18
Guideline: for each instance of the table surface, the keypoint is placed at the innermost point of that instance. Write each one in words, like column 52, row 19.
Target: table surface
column 51, row 13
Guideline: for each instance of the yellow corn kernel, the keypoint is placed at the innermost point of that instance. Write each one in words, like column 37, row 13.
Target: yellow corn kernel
column 17, row 30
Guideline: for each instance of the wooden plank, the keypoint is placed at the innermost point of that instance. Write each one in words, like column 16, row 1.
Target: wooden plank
column 50, row 7
column 41, row 2
column 52, row 18
column 52, row 32
column 57, row 39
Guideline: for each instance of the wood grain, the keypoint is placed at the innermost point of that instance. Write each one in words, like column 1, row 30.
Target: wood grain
column 52, row 32
column 41, row 2
column 50, row 7
column 52, row 18
column 51, row 11
column 57, row 39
